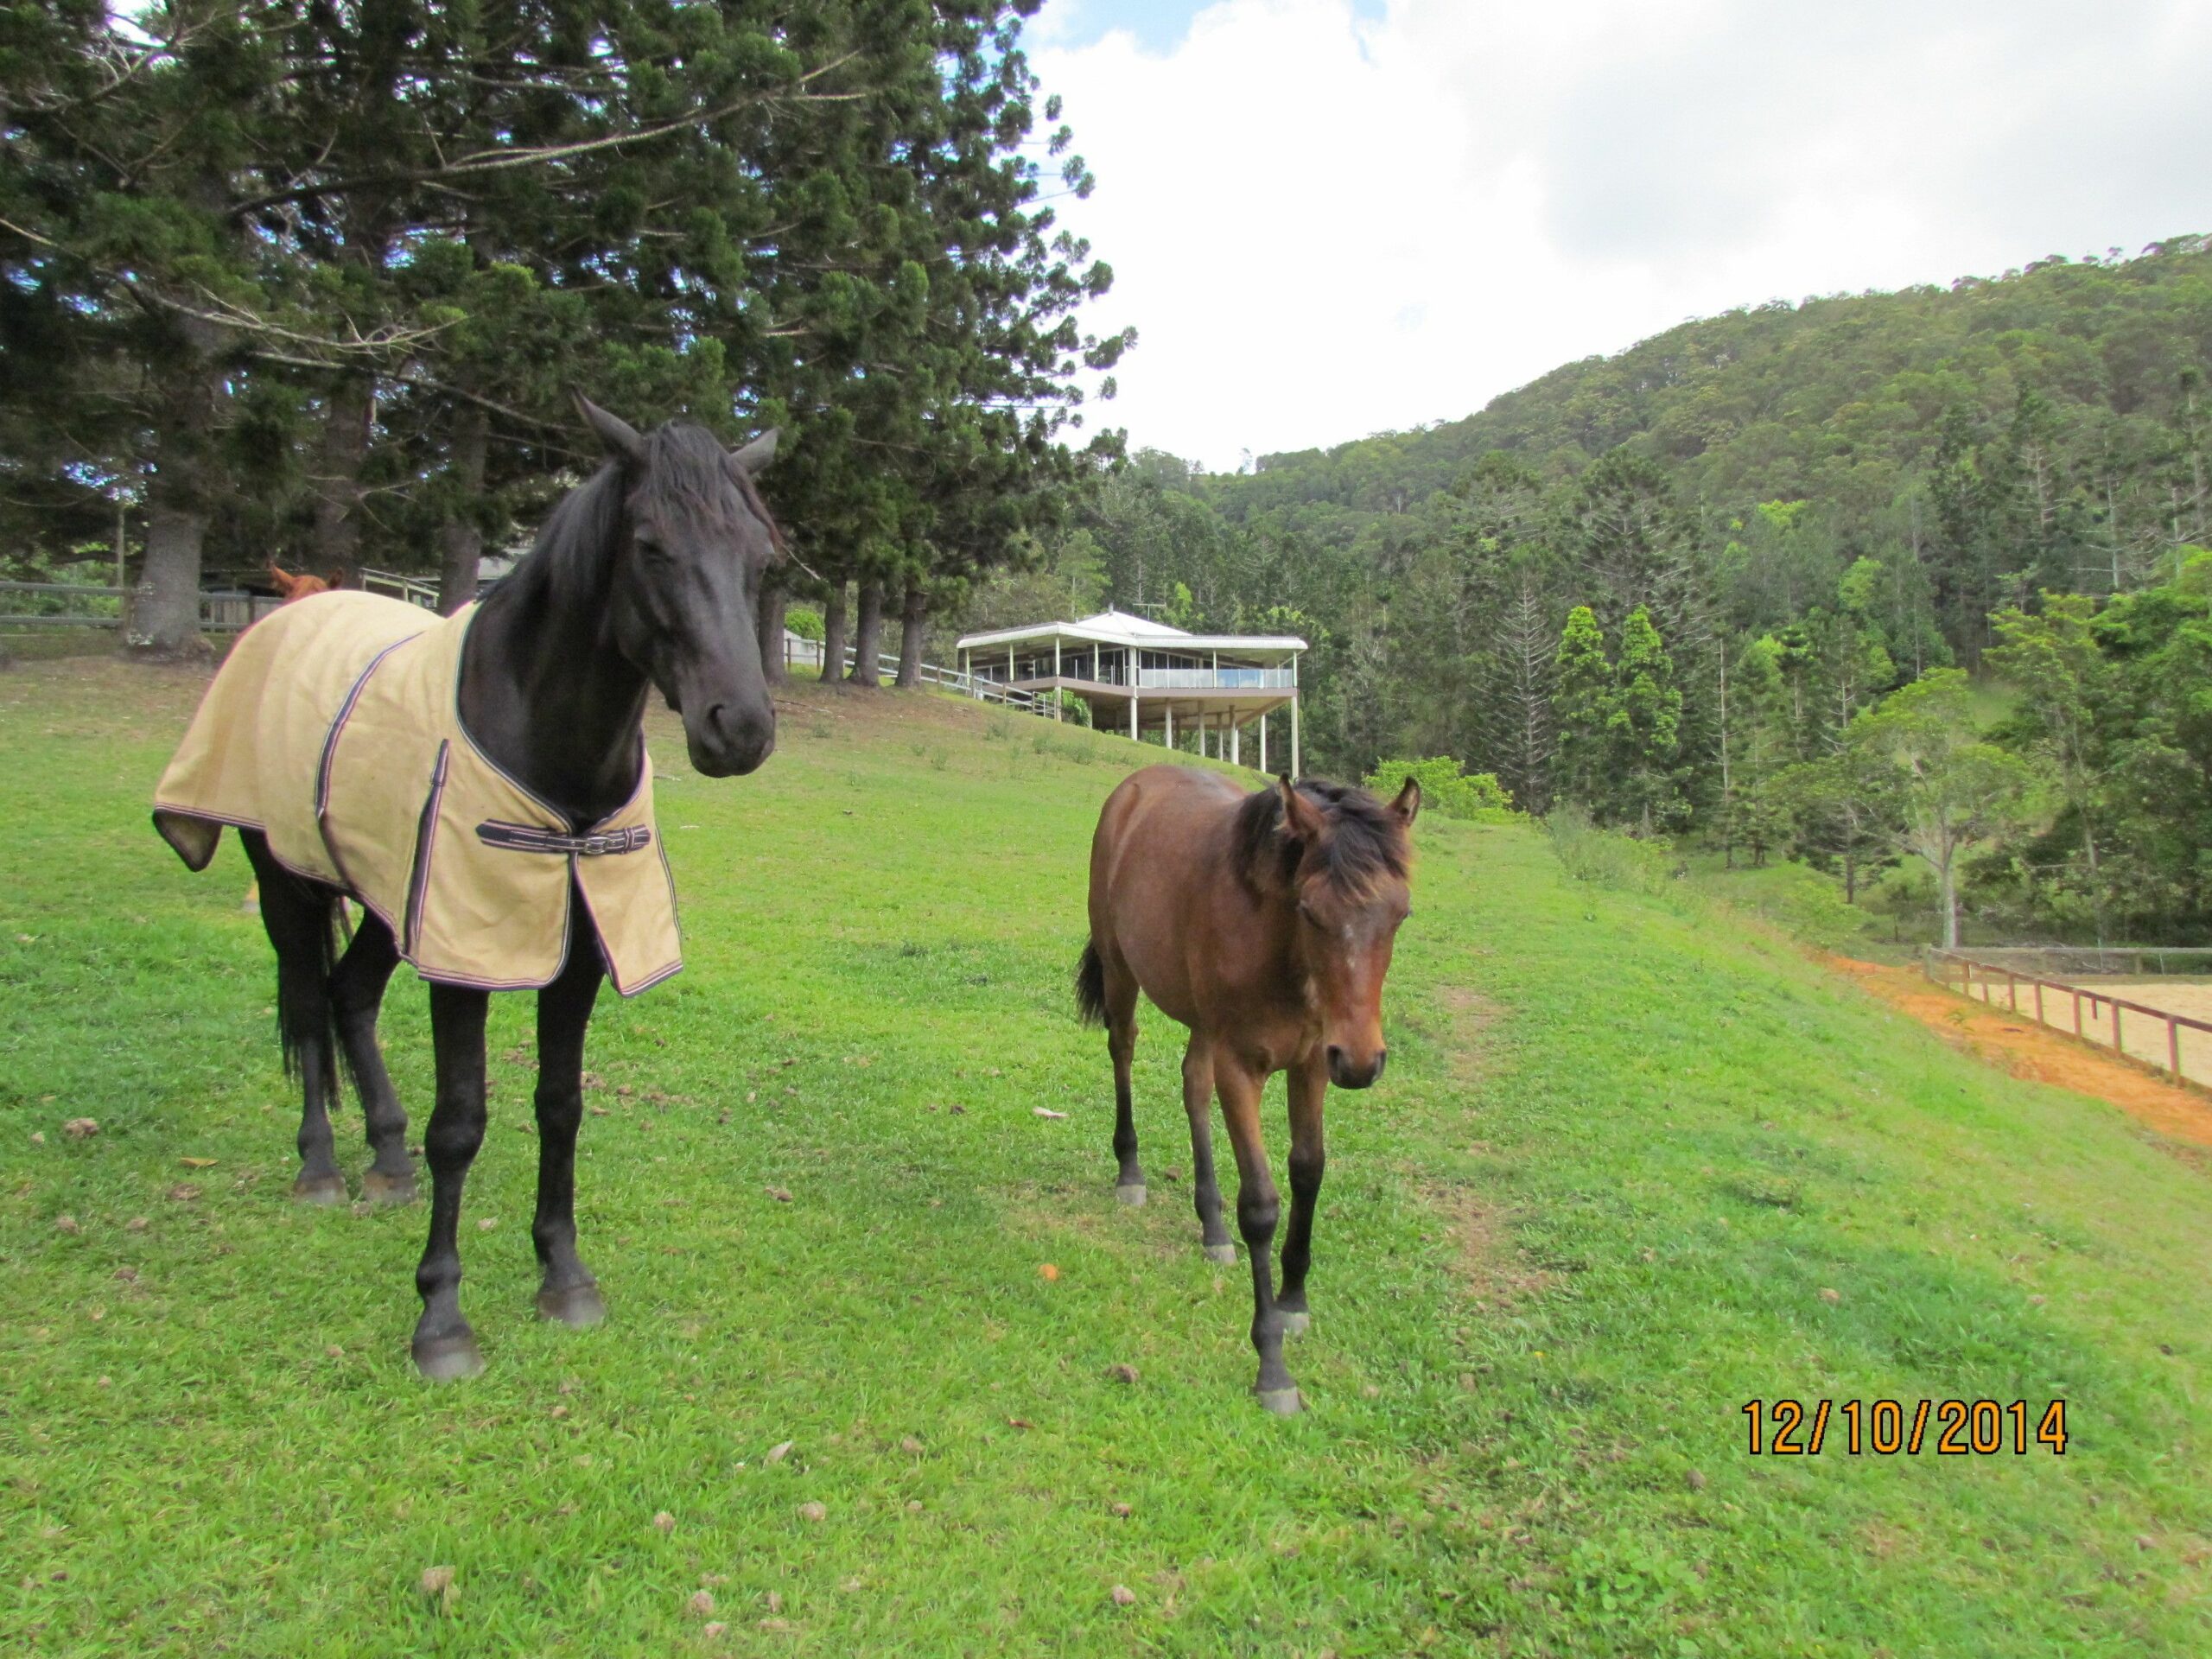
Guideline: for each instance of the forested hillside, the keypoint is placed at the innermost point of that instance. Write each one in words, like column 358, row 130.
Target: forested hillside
column 1809, row 506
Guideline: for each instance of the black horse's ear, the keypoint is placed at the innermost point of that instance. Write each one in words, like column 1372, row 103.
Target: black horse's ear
column 619, row 437
column 1301, row 819
column 756, row 455
column 1408, row 801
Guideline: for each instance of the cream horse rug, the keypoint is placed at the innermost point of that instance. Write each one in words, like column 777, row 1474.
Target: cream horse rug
column 334, row 728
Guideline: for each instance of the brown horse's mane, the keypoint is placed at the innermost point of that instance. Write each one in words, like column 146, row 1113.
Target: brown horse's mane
column 1366, row 840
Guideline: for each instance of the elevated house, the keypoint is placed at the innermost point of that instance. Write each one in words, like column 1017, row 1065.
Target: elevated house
column 1138, row 676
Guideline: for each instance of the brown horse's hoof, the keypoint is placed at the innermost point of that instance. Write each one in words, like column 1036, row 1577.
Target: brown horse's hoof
column 1221, row 1254
column 448, row 1359
column 1131, row 1194
column 377, row 1187
column 1297, row 1325
column 320, row 1189
column 579, row 1306
column 1283, row 1402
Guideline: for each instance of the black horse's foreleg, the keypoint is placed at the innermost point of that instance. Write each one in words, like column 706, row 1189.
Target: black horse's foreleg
column 357, row 996
column 568, row 1292
column 1257, row 1210
column 1205, row 1190
column 298, row 915
column 1309, row 1088
column 444, row 1345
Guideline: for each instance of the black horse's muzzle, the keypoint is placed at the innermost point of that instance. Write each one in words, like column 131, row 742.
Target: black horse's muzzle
column 726, row 742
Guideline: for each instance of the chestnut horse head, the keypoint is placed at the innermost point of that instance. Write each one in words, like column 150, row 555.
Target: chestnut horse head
column 1343, row 858
column 289, row 587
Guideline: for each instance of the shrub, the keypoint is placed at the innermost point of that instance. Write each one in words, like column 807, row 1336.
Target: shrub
column 1073, row 709
column 1477, row 797
column 806, row 623
column 1607, row 858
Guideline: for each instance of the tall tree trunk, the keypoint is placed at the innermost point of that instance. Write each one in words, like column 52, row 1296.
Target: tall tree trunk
column 165, row 610
column 833, row 637
column 1947, row 896
column 180, row 487
column 346, row 419
column 868, row 636
column 460, row 540
column 913, row 625
column 770, row 623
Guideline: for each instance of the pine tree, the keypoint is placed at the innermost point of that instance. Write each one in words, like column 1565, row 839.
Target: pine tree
column 1644, row 726
column 1582, row 705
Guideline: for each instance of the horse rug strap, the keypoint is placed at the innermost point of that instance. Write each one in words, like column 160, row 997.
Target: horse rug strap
column 334, row 728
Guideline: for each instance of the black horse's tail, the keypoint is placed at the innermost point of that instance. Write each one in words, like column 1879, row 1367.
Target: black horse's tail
column 1091, row 987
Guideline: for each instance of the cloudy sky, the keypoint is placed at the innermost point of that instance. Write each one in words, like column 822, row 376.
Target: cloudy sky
column 1328, row 218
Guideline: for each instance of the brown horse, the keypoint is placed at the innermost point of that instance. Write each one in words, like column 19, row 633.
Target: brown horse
column 1263, row 923
column 289, row 587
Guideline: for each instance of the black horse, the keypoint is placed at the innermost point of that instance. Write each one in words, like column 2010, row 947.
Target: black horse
column 646, row 576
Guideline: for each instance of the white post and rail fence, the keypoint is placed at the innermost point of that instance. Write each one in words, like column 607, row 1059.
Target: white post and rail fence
column 2077, row 991
column 222, row 610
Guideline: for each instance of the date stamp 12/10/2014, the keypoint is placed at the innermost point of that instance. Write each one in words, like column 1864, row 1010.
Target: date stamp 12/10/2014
column 1949, row 1428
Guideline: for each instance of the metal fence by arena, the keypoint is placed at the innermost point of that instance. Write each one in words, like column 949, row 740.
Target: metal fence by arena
column 2151, row 1004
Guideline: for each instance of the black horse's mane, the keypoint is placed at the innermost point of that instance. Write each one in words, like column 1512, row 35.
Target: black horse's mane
column 687, row 470
column 1366, row 840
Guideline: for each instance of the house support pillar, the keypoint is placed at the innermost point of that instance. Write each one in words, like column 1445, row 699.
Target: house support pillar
column 1169, row 709
column 1133, row 716
column 1236, row 745
column 1263, row 742
column 1295, row 769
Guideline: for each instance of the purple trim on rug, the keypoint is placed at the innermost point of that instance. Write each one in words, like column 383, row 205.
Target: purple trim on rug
column 330, row 754
column 426, row 842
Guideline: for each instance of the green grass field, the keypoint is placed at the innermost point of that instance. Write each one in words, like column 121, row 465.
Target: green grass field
column 1626, row 1145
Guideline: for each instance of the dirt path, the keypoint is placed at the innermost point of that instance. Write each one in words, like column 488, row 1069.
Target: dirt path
column 2027, row 1050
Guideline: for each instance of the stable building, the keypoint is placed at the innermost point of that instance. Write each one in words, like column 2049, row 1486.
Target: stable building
column 1139, row 676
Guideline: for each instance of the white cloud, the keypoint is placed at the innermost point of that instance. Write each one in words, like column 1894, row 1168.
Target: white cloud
column 1322, row 227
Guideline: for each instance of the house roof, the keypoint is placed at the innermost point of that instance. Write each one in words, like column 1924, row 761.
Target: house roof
column 1111, row 628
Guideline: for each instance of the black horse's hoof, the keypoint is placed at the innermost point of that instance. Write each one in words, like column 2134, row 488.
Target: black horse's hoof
column 1221, row 1254
column 1283, row 1402
column 579, row 1306
column 1297, row 1323
column 1131, row 1194
column 377, row 1187
column 448, row 1359
column 324, row 1190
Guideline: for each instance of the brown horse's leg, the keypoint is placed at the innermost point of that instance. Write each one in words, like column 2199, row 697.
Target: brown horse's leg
column 1197, row 1102
column 568, row 1292
column 1257, row 1208
column 357, row 996
column 444, row 1345
column 296, row 915
column 1121, row 994
column 1309, row 1088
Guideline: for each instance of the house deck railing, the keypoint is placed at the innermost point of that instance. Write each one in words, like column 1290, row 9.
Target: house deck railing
column 1216, row 679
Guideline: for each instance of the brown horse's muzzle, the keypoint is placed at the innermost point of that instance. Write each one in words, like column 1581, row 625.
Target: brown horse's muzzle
column 1347, row 1072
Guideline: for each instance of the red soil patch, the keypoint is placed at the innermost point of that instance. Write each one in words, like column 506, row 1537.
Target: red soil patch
column 2027, row 1050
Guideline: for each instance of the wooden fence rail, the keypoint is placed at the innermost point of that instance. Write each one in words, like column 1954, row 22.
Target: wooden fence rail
column 1969, row 974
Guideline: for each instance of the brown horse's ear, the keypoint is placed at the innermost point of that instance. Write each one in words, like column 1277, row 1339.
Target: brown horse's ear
column 1301, row 819
column 1408, row 804
column 619, row 437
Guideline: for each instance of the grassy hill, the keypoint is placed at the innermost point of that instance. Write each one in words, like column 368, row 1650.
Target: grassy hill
column 1628, row 1145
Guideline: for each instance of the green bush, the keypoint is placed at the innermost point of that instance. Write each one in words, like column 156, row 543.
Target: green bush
column 1607, row 858
column 1477, row 797
column 1073, row 709
column 807, row 624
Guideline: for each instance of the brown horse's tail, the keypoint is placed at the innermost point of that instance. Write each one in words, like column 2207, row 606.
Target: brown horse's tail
column 1091, row 987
